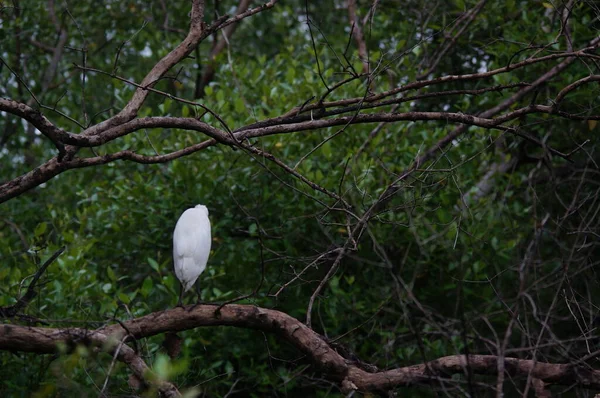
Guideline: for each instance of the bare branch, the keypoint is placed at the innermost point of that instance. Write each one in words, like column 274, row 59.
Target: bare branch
column 337, row 368
column 23, row 301
column 194, row 37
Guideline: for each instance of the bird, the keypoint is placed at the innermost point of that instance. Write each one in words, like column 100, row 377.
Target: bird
column 191, row 248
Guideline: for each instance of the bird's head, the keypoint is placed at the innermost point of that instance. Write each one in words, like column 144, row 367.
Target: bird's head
column 203, row 208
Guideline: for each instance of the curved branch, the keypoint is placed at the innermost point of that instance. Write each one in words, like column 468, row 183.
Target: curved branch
column 137, row 365
column 245, row 14
column 393, row 188
column 119, row 126
column 195, row 36
column 46, row 340
column 39, row 121
column 57, row 165
column 563, row 93
column 326, row 359
column 570, row 57
column 58, row 135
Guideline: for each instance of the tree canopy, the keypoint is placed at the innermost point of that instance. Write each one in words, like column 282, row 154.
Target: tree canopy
column 404, row 197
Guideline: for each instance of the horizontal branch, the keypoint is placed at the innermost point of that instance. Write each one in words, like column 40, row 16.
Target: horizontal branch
column 58, row 165
column 59, row 135
column 583, row 53
column 326, row 359
column 125, row 122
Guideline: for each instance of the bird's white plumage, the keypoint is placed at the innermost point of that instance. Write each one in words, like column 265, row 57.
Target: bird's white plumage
column 191, row 245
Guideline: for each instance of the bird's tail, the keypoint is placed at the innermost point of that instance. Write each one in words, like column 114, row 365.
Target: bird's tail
column 188, row 273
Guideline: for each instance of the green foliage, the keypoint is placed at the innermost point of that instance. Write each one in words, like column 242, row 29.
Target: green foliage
column 116, row 221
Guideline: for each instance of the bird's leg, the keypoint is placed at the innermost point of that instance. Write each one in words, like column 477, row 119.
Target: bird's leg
column 199, row 298
column 199, row 295
column 180, row 302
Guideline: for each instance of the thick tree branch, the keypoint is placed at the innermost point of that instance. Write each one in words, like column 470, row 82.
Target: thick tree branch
column 46, row 340
column 312, row 116
column 58, row 165
column 39, row 121
column 195, row 36
column 337, row 368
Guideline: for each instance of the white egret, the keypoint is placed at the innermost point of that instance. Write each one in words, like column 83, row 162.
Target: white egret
column 191, row 247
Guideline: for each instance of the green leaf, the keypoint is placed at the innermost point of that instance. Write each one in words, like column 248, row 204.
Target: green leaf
column 147, row 287
column 154, row 264
column 239, row 105
column 40, row 229
column 111, row 274
column 162, row 366
column 252, row 229
column 123, row 297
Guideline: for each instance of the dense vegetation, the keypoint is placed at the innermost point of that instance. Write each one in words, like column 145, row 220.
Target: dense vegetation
column 421, row 183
